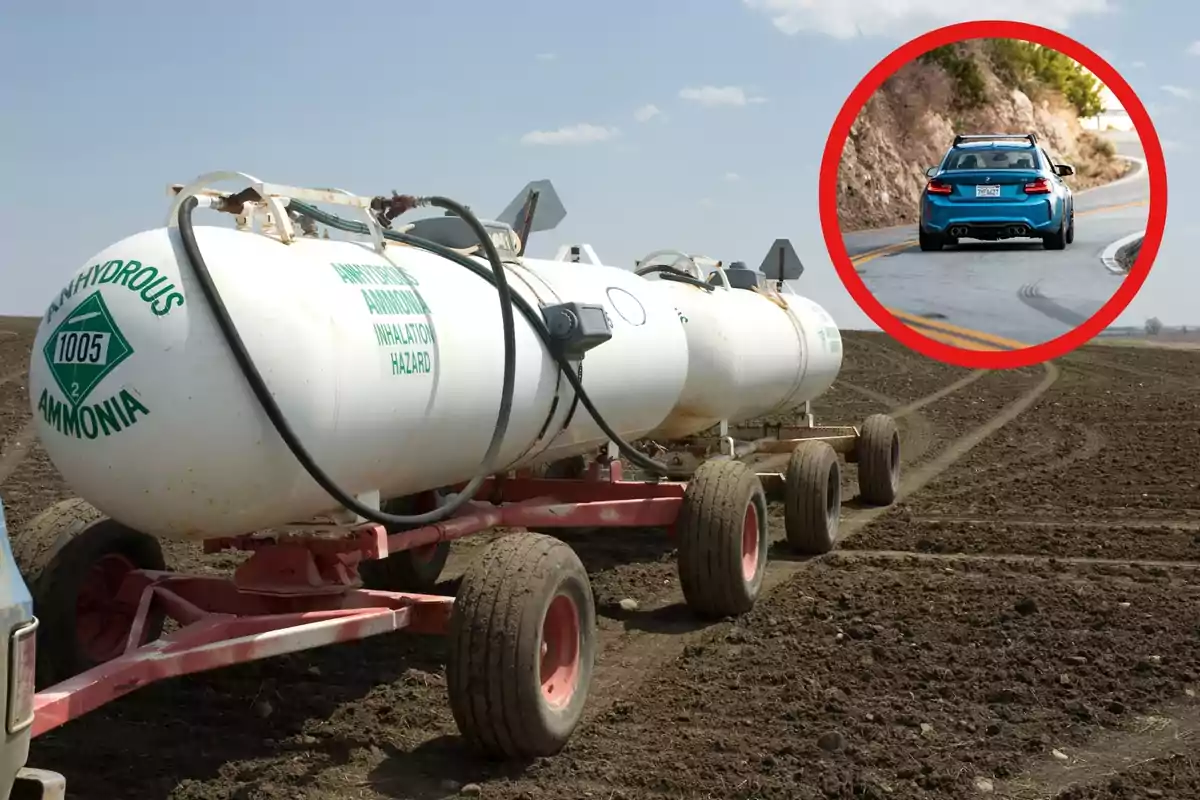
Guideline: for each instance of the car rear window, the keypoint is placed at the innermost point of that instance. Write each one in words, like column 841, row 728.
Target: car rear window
column 998, row 158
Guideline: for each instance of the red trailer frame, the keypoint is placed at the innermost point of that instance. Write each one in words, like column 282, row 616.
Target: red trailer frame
column 299, row 591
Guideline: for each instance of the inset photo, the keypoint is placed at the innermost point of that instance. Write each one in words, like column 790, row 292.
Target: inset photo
column 993, row 193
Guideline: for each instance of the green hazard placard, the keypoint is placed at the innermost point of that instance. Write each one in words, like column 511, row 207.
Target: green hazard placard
column 85, row 347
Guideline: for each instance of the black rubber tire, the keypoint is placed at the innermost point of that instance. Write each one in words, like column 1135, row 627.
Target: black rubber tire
column 878, row 456
column 55, row 552
column 1071, row 229
column 812, row 498
column 709, row 532
column 1058, row 239
column 495, row 641
column 929, row 242
column 416, row 571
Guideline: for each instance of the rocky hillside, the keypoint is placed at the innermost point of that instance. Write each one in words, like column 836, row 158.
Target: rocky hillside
column 980, row 86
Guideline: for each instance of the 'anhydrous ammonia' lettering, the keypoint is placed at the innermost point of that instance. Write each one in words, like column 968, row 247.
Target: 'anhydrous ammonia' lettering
column 94, row 419
column 153, row 287
column 394, row 302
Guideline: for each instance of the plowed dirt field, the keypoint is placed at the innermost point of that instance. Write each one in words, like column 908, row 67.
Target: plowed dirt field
column 1023, row 623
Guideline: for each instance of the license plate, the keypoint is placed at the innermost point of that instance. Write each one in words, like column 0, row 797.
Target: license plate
column 987, row 191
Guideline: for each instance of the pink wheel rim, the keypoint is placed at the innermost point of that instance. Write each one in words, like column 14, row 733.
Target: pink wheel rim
column 559, row 668
column 750, row 543
column 102, row 624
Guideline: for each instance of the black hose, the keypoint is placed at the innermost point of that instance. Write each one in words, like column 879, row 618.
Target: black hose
column 689, row 280
column 669, row 273
column 529, row 312
column 275, row 414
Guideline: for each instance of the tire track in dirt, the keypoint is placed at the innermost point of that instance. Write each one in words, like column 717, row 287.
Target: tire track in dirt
column 1010, row 558
column 920, row 434
column 857, row 519
column 655, row 636
column 1176, row 726
column 1066, row 522
column 1091, row 445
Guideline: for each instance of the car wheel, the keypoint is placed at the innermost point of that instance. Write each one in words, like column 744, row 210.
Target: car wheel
column 1058, row 239
column 930, row 242
column 1071, row 229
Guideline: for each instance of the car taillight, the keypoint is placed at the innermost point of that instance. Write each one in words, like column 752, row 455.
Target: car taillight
column 1040, row 186
column 937, row 187
column 22, row 663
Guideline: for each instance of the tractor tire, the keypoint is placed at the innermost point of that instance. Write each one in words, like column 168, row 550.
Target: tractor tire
column 812, row 498
column 878, row 455
column 723, row 540
column 522, row 647
column 74, row 560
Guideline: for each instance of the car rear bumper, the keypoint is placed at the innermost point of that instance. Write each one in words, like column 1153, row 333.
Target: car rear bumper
column 39, row 784
column 991, row 231
column 989, row 220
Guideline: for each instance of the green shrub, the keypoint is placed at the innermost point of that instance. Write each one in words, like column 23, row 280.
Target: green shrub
column 1033, row 69
column 970, row 89
column 1030, row 67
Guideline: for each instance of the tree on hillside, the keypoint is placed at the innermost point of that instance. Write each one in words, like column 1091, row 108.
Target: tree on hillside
column 1154, row 326
column 1034, row 67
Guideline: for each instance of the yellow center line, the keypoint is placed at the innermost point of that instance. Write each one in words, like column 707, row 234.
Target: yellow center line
column 895, row 247
column 998, row 342
column 961, row 344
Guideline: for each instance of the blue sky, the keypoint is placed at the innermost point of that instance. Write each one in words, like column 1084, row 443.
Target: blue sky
column 106, row 103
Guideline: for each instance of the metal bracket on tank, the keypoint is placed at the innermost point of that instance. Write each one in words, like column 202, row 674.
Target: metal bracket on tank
column 807, row 416
column 274, row 197
column 728, row 446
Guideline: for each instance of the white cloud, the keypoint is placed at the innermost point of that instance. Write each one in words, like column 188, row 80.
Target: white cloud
column 1194, row 48
column 732, row 177
column 899, row 18
column 582, row 133
column 714, row 96
column 647, row 113
column 546, row 56
column 1178, row 91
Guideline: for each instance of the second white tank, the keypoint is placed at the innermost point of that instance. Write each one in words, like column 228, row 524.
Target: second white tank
column 752, row 351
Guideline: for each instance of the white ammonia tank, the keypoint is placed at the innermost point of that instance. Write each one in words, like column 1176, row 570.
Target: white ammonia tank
column 386, row 360
column 389, row 370
column 752, row 350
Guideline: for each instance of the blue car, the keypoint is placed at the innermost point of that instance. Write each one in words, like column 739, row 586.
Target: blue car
column 997, row 186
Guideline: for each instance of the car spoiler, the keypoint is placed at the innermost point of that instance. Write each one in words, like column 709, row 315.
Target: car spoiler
column 982, row 137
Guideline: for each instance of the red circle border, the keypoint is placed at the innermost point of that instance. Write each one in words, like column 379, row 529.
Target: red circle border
column 840, row 133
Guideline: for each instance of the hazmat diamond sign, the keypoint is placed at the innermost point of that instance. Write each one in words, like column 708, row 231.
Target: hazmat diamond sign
column 85, row 347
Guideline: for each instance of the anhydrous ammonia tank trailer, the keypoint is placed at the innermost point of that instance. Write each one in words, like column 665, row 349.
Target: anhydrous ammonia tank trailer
column 386, row 361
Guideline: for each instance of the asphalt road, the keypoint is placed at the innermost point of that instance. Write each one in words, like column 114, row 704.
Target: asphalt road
column 1005, row 295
